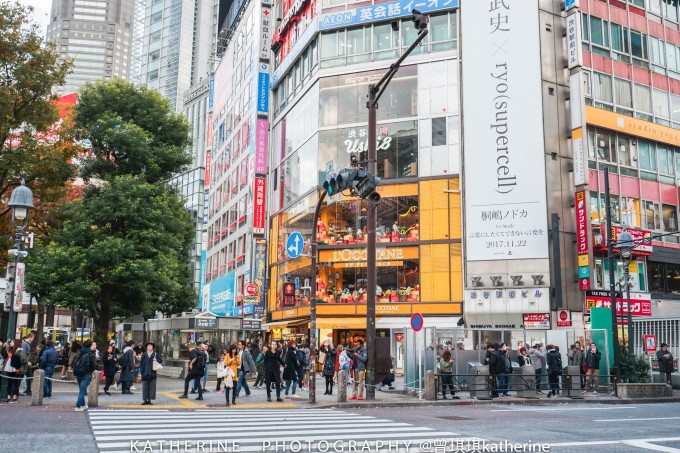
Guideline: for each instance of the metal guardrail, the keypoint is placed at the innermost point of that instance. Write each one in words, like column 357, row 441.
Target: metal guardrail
column 518, row 382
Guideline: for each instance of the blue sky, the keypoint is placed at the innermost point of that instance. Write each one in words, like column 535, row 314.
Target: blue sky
column 41, row 11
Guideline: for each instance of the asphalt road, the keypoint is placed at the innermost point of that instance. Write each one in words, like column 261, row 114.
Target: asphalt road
column 567, row 428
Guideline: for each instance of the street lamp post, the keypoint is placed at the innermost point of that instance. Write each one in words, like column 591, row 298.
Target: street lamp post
column 374, row 92
column 20, row 201
column 612, row 283
column 625, row 244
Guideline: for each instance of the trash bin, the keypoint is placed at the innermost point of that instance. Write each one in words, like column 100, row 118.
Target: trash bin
column 575, row 389
column 479, row 380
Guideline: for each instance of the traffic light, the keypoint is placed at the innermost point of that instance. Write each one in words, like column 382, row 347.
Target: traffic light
column 420, row 20
column 342, row 181
column 365, row 185
column 288, row 294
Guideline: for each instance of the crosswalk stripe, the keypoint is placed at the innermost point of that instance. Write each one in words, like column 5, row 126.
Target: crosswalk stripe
column 115, row 430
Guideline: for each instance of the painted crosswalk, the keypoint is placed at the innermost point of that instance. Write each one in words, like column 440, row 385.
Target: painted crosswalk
column 275, row 430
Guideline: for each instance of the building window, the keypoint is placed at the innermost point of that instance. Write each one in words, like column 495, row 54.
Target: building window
column 153, row 75
column 620, row 42
column 646, row 155
column 155, row 36
column 651, row 215
column 602, row 88
column 629, row 211
column 438, row 131
column 156, row 17
column 670, row 218
column 155, row 55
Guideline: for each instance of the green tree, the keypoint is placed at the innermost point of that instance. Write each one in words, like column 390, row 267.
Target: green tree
column 132, row 131
column 122, row 250
column 31, row 146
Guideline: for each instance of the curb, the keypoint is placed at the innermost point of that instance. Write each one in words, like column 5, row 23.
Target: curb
column 506, row 402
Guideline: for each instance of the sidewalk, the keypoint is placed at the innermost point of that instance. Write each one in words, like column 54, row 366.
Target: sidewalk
column 169, row 389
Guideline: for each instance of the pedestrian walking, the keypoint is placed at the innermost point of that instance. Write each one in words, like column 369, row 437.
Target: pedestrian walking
column 576, row 360
column 496, row 366
column 232, row 362
column 196, row 370
column 15, row 366
column 259, row 365
column 83, row 367
column 446, row 374
column 149, row 365
column 272, row 369
column 328, row 370
column 554, row 361
column 506, row 365
column 360, row 358
column 303, row 363
column 291, row 366
column 64, row 359
column 665, row 359
column 537, row 355
column 26, row 346
column 246, row 368
column 110, row 361
column 48, row 360
column 206, row 349
column 592, row 365
column 127, row 363
column 220, row 370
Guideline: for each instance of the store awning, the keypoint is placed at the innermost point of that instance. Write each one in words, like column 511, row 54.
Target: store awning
column 341, row 323
column 404, row 322
column 284, row 324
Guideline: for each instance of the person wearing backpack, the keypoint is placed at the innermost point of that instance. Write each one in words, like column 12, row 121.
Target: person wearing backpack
column 554, row 361
column 83, row 367
column 127, row 367
column 292, row 365
column 496, row 366
column 247, row 367
column 196, row 370
column 303, row 359
column 48, row 360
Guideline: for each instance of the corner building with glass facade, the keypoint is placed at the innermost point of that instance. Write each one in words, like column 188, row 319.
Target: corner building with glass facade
column 325, row 58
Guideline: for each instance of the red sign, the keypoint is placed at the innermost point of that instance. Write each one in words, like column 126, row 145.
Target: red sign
column 584, row 284
column 641, row 238
column 581, row 224
column 252, row 289
column 640, row 304
column 650, row 343
column 563, row 318
column 259, row 211
column 208, row 163
column 399, row 336
column 540, row 321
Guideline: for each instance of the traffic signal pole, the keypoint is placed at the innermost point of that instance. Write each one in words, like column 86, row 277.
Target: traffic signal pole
column 312, row 304
column 374, row 93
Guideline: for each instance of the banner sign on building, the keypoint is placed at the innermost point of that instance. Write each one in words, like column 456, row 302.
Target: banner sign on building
column 574, row 54
column 266, row 25
column 641, row 238
column 581, row 224
column 382, row 11
column 222, row 295
column 19, row 286
column 211, row 94
column 580, row 168
column 640, row 303
column 263, row 90
column 260, row 273
column 261, row 144
column 506, row 213
column 564, row 318
column 536, row 321
column 259, row 211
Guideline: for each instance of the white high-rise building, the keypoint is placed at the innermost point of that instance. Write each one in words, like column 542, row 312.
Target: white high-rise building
column 96, row 34
column 173, row 45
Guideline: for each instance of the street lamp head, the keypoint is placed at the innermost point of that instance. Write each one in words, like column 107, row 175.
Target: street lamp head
column 20, row 202
column 625, row 243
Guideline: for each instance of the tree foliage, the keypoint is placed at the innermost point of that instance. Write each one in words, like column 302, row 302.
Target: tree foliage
column 132, row 131
column 122, row 249
column 32, row 146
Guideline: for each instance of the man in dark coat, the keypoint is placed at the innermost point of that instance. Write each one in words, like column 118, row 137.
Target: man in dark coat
column 290, row 370
column 272, row 370
column 196, row 370
column 127, row 367
column 665, row 359
column 592, row 362
column 247, row 367
column 48, row 360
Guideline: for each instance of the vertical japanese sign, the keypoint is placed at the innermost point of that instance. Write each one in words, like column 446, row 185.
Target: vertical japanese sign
column 574, row 53
column 581, row 223
column 265, row 30
column 261, row 144
column 19, row 287
column 506, row 212
column 259, row 205
column 260, row 273
column 263, row 90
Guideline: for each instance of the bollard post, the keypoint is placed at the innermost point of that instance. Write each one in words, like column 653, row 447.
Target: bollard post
column 37, row 386
column 342, row 386
column 93, row 390
column 430, row 389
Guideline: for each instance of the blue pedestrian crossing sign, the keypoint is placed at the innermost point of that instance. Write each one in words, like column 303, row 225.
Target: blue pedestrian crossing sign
column 295, row 244
column 417, row 322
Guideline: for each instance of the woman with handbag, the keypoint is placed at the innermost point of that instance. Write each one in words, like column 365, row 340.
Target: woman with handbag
column 109, row 370
column 149, row 364
column 231, row 363
column 328, row 370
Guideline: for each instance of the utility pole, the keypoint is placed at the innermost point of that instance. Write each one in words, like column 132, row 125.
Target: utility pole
column 374, row 92
column 612, row 283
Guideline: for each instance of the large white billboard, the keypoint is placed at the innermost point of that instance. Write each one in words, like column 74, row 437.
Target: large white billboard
column 504, row 169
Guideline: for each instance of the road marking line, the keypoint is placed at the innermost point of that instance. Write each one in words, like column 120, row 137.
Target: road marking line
column 183, row 401
column 650, row 446
column 636, row 419
column 562, row 409
column 612, row 442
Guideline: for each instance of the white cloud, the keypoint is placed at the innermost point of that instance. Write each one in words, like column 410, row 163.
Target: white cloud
column 41, row 12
